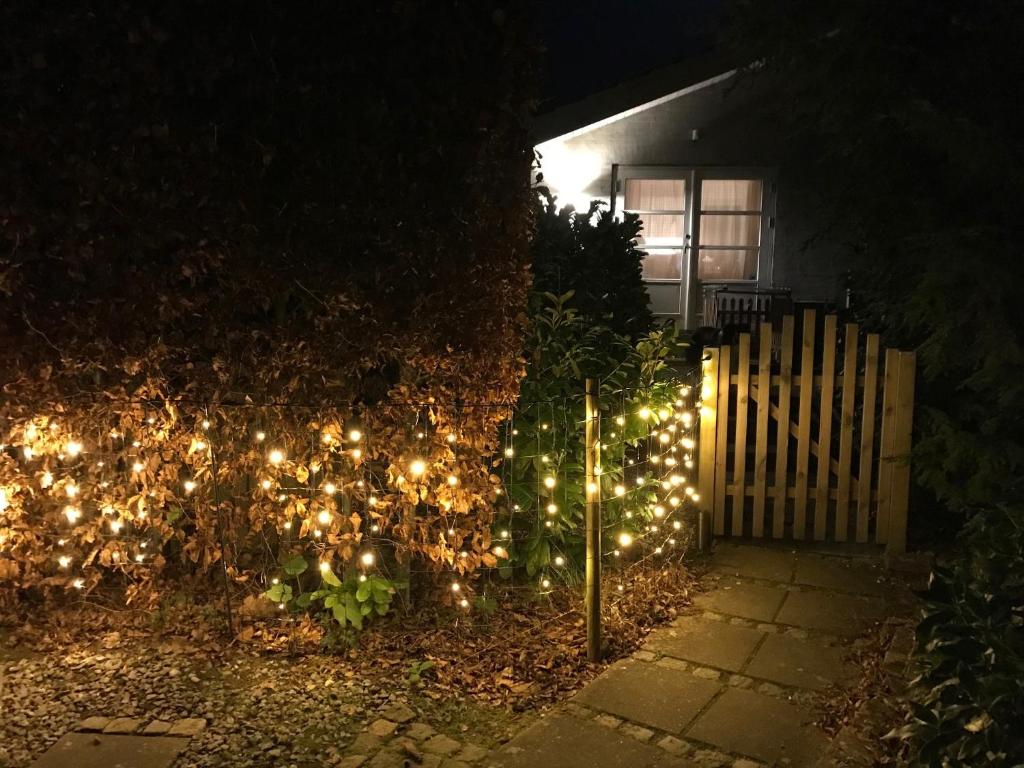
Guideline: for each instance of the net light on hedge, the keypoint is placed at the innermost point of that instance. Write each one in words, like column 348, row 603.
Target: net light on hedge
column 276, row 456
column 417, row 467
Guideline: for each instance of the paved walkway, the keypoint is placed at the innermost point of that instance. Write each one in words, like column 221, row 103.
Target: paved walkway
column 730, row 684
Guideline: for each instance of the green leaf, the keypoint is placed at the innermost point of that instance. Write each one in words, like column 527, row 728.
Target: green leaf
column 330, row 578
column 295, row 565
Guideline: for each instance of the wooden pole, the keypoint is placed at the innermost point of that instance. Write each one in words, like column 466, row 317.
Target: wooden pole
column 593, row 521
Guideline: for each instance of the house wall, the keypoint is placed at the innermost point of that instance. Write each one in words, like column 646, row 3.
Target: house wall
column 735, row 129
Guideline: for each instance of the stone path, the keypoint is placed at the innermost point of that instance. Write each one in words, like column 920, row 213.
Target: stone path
column 731, row 684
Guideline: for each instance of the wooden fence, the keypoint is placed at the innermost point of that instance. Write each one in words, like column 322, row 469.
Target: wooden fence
column 792, row 446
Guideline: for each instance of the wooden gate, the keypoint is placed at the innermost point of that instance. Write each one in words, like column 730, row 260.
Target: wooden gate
column 794, row 446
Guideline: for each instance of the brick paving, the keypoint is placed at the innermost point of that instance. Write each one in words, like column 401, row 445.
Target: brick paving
column 732, row 683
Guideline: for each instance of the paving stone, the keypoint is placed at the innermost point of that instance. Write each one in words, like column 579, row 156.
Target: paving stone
column 670, row 663
column 419, row 731
column 638, row 732
column 565, row 742
column 710, row 643
column 830, row 612
column 456, row 764
column 365, row 743
column 388, row 758
column 744, row 763
column 189, row 726
column 709, row 758
column 740, row 681
column 674, row 746
column 123, row 725
column 608, row 721
column 93, row 724
column 644, row 656
column 91, row 750
column 706, row 673
column 749, row 724
column 383, row 728
column 665, row 699
column 841, row 574
column 754, row 562
column 471, row 753
column 442, row 745
column 800, row 664
column 156, row 728
column 399, row 713
column 743, row 599
column 575, row 709
column 351, row 761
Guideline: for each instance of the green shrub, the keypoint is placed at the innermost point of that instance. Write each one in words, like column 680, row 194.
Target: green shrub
column 968, row 703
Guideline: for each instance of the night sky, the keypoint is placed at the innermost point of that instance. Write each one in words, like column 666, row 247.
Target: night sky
column 594, row 45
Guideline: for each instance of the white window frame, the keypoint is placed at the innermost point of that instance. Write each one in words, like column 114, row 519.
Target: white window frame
column 688, row 284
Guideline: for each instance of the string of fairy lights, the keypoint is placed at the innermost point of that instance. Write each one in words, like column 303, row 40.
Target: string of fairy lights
column 125, row 492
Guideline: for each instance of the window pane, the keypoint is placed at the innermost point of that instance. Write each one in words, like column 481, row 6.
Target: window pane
column 663, row 264
column 730, row 230
column 661, row 229
column 730, row 195
column 727, row 264
column 655, row 194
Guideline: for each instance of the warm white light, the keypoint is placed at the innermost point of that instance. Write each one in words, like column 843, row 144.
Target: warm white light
column 71, row 490
column 265, row 484
column 330, row 488
column 499, row 551
column 620, row 490
column 324, row 517
column 662, row 414
column 206, row 423
column 674, row 501
column 559, row 560
column 664, row 437
column 549, row 482
column 552, row 509
column 276, row 456
column 73, row 448
column 455, row 586
column 356, row 453
column 644, row 413
column 510, row 452
column 504, row 534
column 621, row 421
column 659, row 511
column 464, row 603
column 695, row 496
column 545, row 583
column 367, row 558
column 78, row 583
column 355, row 435
column 261, row 436
column 451, row 437
column 190, row 486
column 27, row 452
column 115, row 526
column 591, row 488
column 625, row 539
column 72, row 513
column 417, row 467
column 138, row 466
column 372, row 501
column 676, row 524
column 140, row 558
column 64, row 561
column 453, row 480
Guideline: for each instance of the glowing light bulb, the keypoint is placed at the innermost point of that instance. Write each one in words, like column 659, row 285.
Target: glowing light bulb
column 265, row 484
column 695, row 496
column 73, row 448
column 620, row 490
column 621, row 421
column 545, row 583
column 356, row 453
column 206, row 423
column 552, row 509
column 510, row 452
column 64, row 561
column 261, row 436
column 559, row 560
column 451, row 437
column 505, row 534
column 78, row 583
column 47, row 479
column 591, row 488
column 72, row 513
column 355, row 435
column 372, row 501
column 674, row 501
column 276, row 456
column 367, row 558
column 625, row 539
column 138, row 466
column 324, row 566
column 417, row 467
column 140, row 558
column 71, row 490
column 453, row 480
column 200, row 445
column 464, row 603
column 455, row 586
column 499, row 551
column 330, row 488
column 324, row 517
column 676, row 524
column 644, row 413
column 115, row 526
column 190, row 486
column 662, row 413
column 549, row 482
column 664, row 437
column 27, row 452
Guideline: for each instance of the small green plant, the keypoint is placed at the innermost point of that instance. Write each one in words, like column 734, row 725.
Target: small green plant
column 416, row 670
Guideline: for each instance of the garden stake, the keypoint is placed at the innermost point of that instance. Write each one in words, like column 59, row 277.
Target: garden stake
column 593, row 515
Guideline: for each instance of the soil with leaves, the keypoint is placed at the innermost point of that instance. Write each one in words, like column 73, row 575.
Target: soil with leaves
column 276, row 696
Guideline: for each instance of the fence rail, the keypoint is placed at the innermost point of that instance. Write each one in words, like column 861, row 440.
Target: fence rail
column 794, row 443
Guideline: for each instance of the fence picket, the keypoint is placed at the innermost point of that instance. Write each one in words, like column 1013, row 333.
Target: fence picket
column 803, row 440
column 887, row 443
column 764, row 390
column 900, row 473
column 740, row 452
column 867, row 438
column 708, row 416
column 828, row 374
column 782, row 436
column 846, row 432
column 722, row 441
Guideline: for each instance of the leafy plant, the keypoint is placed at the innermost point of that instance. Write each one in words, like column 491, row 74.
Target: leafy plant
column 968, row 702
column 416, row 671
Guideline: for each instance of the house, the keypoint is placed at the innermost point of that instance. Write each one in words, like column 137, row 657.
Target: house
column 696, row 151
